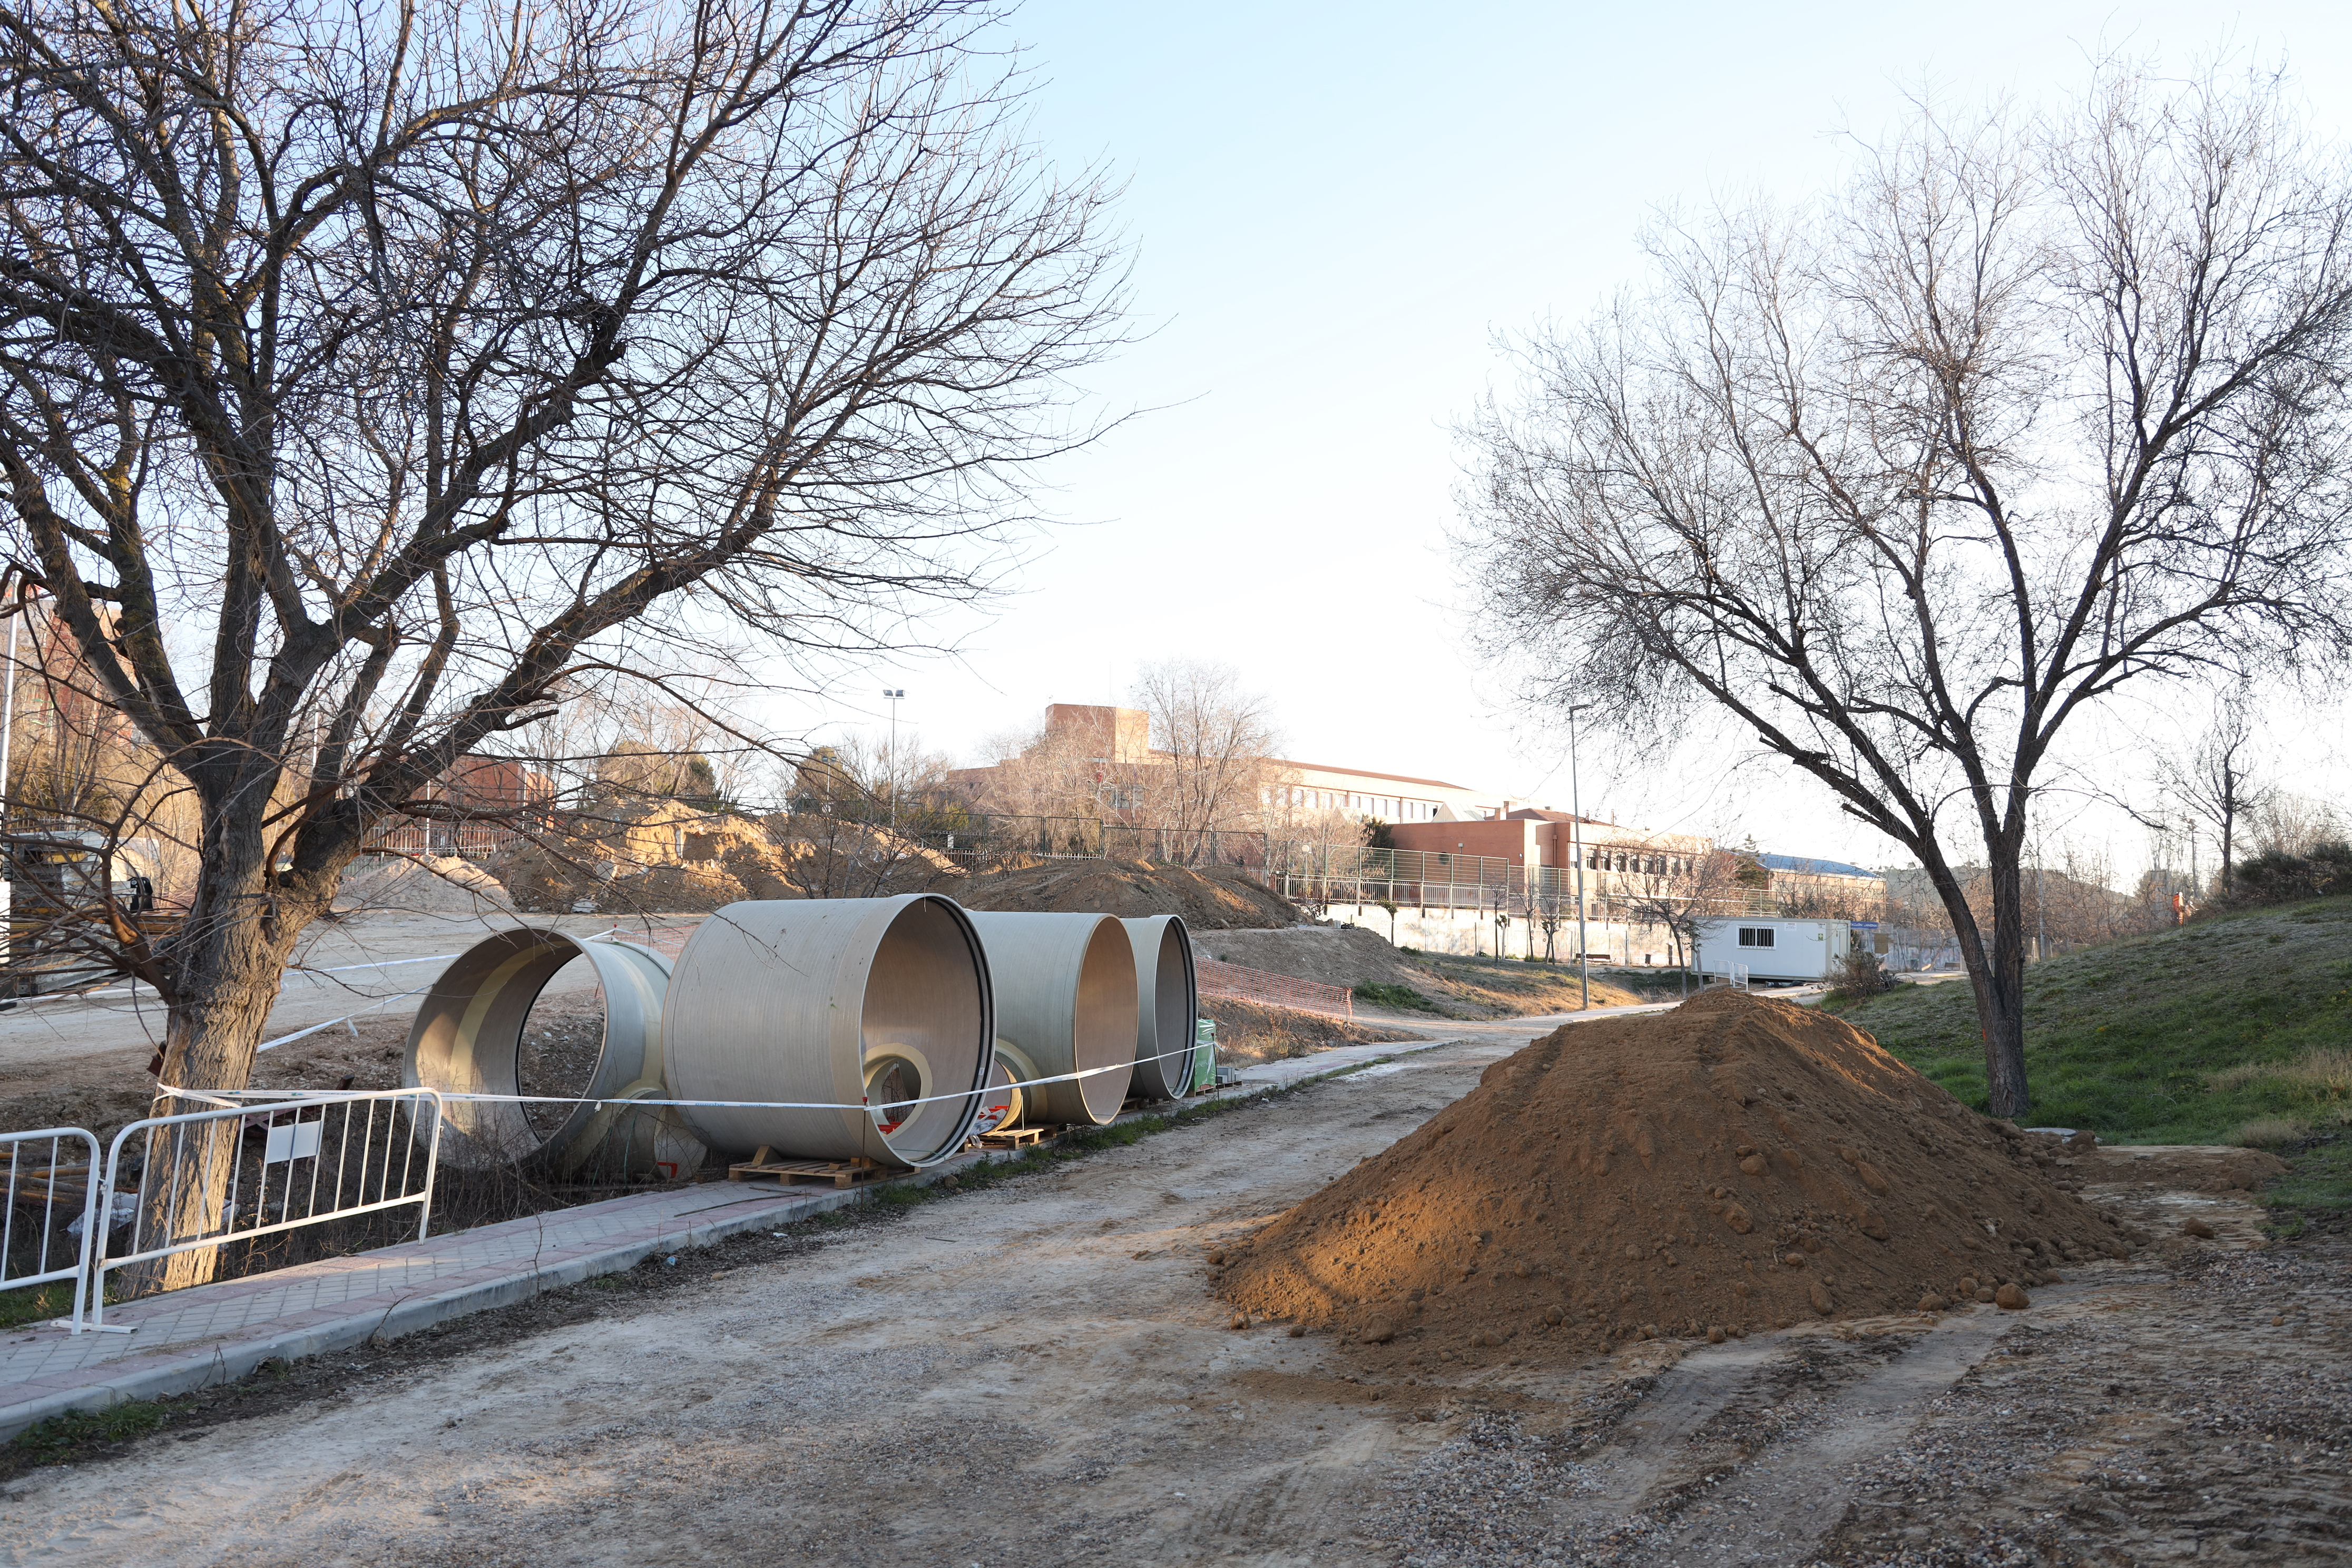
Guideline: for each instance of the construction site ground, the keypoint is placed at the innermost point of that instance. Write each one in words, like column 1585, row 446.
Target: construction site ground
column 1431, row 984
column 1035, row 1373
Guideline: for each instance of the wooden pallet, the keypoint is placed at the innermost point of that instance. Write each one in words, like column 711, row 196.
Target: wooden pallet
column 1014, row 1137
column 849, row 1173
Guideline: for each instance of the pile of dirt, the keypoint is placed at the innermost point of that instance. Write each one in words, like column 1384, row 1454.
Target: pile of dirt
column 2194, row 1168
column 1210, row 898
column 1252, row 1032
column 420, row 885
column 702, row 862
column 1735, row 1164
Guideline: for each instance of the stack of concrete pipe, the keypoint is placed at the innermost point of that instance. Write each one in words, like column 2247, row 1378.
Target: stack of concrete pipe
column 889, row 1030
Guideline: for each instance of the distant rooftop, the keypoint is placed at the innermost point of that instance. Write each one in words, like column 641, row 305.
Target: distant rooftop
column 1804, row 867
column 1362, row 774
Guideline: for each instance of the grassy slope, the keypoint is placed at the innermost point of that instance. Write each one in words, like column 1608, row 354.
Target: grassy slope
column 2138, row 1039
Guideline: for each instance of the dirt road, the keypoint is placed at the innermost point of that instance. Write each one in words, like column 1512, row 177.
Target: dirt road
column 1034, row 1375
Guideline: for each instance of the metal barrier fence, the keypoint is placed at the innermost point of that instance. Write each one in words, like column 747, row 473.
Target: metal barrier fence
column 303, row 1162
column 1218, row 979
column 472, row 840
column 46, row 1231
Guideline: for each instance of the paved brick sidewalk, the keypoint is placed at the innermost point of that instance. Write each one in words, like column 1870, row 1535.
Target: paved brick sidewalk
column 216, row 1334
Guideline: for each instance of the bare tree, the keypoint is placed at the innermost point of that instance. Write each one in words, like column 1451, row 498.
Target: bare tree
column 432, row 357
column 1216, row 743
column 1903, row 484
column 2217, row 780
column 2290, row 823
column 1677, row 891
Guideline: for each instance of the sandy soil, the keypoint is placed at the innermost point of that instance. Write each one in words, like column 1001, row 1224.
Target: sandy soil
column 1034, row 1375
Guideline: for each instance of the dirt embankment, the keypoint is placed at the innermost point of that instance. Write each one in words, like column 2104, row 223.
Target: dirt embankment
column 1209, row 897
column 1735, row 1164
column 1452, row 987
column 1253, row 1032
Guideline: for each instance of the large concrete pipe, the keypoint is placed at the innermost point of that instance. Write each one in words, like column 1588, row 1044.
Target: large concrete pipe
column 877, row 1011
column 1065, row 998
column 468, row 1038
column 1168, row 1000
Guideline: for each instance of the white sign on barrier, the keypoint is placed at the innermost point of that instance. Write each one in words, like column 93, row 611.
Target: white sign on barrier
column 292, row 1140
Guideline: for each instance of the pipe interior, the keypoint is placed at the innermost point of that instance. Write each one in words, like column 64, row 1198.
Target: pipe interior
column 561, row 1045
column 467, row 1039
column 1172, row 1007
column 921, row 1027
column 1103, row 1020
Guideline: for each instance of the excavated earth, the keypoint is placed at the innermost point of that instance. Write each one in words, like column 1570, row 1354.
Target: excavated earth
column 1733, row 1166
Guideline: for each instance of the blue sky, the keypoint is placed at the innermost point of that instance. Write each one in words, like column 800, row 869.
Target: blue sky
column 1335, row 208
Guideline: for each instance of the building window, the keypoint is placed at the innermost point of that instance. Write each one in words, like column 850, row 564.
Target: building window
column 1755, row 936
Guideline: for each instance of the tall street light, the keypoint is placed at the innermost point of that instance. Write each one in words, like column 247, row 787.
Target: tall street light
column 890, row 758
column 1576, row 837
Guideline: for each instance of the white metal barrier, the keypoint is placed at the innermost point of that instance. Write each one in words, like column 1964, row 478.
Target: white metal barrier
column 51, row 1212
column 317, row 1158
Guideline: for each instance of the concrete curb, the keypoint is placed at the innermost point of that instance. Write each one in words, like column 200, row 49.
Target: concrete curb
column 223, row 1362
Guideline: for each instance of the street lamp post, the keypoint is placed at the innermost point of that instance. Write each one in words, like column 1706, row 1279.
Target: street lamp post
column 1576, row 838
column 890, row 758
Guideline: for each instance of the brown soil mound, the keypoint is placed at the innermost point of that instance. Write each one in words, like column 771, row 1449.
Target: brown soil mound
column 1254, row 1032
column 1734, row 1165
column 1334, row 956
column 1211, row 897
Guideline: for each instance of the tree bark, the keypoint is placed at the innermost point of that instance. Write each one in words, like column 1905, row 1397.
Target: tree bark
column 225, row 969
column 1996, row 971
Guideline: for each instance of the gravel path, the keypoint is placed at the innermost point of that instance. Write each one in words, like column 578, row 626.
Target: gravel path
column 1033, row 1375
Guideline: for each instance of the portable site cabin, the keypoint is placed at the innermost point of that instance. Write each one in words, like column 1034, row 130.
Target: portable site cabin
column 1774, row 949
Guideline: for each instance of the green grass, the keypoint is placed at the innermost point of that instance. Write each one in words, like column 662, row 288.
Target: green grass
column 36, row 1303
column 62, row 1436
column 2317, row 1190
column 1385, row 994
column 2226, row 1030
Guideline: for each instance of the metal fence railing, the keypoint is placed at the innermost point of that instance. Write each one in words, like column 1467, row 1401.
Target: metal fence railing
column 271, row 1168
column 1218, row 979
column 470, row 840
column 46, row 1231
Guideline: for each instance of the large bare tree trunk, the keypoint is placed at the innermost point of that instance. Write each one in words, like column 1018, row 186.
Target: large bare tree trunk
column 227, row 968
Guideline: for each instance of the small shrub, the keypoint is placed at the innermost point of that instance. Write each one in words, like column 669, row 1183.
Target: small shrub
column 2278, row 877
column 1858, row 974
column 2269, row 1133
column 1387, row 993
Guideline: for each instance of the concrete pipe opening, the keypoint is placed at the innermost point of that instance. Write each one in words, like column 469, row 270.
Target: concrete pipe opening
column 870, row 1019
column 1066, row 996
column 574, row 1026
column 1167, row 1003
column 1006, row 1104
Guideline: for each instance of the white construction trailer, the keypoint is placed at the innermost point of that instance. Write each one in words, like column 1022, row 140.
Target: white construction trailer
column 1774, row 949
